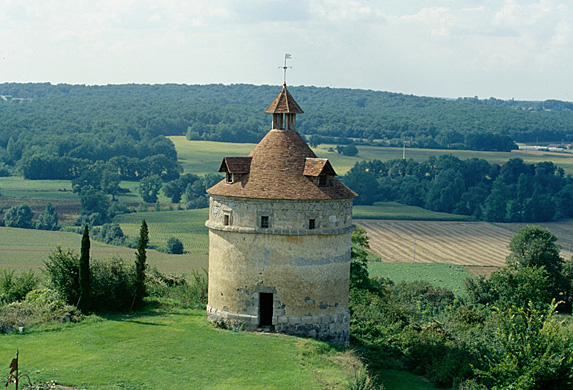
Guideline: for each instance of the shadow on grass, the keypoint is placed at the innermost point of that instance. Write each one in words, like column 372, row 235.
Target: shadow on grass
column 151, row 309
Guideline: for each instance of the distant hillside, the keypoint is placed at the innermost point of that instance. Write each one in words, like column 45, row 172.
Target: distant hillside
column 96, row 123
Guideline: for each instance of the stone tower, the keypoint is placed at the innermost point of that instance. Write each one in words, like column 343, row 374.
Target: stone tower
column 280, row 225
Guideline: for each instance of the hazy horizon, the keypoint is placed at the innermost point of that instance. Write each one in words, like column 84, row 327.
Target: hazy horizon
column 506, row 49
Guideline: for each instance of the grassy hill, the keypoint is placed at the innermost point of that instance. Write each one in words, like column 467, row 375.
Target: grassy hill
column 174, row 349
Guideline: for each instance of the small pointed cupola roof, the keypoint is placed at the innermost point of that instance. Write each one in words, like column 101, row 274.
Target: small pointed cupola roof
column 284, row 103
column 284, row 110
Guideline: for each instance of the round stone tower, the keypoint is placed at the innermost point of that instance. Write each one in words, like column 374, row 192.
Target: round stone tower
column 280, row 225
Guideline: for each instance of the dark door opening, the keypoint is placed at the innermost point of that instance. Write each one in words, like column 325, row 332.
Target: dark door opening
column 265, row 309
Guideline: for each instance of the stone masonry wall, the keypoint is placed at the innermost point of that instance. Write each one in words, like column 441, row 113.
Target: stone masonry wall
column 306, row 270
column 285, row 216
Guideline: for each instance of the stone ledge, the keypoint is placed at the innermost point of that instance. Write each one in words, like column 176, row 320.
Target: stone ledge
column 285, row 232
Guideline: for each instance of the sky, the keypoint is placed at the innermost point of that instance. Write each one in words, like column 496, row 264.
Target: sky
column 521, row 49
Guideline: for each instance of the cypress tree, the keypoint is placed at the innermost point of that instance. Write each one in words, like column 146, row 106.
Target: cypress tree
column 84, row 273
column 140, row 260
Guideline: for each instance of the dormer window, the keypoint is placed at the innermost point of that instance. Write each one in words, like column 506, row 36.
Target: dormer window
column 235, row 168
column 319, row 171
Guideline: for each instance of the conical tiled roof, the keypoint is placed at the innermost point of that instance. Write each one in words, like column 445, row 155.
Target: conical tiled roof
column 277, row 171
column 284, row 103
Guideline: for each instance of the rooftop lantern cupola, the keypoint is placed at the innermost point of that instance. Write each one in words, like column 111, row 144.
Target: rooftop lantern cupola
column 284, row 110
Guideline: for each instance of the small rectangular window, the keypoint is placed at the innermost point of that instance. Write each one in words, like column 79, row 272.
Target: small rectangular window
column 311, row 224
column 264, row 222
column 227, row 220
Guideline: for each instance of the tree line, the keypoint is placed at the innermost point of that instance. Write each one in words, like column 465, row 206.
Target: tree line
column 512, row 192
column 63, row 128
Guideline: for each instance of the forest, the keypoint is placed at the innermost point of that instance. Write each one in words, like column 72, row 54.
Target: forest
column 512, row 192
column 56, row 131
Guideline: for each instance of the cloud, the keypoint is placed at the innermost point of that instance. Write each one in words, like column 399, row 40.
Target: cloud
column 448, row 49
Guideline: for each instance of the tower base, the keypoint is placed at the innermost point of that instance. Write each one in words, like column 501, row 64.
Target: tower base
column 334, row 328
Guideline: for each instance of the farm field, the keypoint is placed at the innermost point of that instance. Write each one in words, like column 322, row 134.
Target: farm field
column 394, row 210
column 202, row 157
column 476, row 244
column 186, row 225
column 24, row 249
column 448, row 276
column 16, row 190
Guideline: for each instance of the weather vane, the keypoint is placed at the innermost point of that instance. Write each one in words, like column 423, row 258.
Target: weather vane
column 285, row 67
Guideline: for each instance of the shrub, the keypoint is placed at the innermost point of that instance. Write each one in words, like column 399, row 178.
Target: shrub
column 110, row 233
column 15, row 287
column 62, row 270
column 48, row 220
column 113, row 285
column 112, row 281
column 19, row 216
column 530, row 349
column 174, row 246
column 40, row 307
column 191, row 294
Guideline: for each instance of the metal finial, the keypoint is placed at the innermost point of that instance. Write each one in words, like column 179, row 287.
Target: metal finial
column 285, row 67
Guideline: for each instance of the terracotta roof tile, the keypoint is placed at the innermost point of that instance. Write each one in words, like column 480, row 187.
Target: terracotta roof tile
column 317, row 166
column 235, row 164
column 277, row 172
column 284, row 104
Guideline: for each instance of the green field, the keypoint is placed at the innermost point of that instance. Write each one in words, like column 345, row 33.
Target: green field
column 61, row 190
column 202, row 157
column 398, row 211
column 449, row 276
column 186, row 225
column 24, row 249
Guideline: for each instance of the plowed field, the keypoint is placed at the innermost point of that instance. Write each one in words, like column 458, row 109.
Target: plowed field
column 464, row 243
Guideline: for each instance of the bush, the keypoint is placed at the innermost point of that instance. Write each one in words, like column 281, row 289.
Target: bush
column 19, row 216
column 113, row 285
column 174, row 246
column 40, row 307
column 112, row 281
column 62, row 270
column 191, row 294
column 48, row 220
column 110, row 233
column 530, row 349
column 15, row 287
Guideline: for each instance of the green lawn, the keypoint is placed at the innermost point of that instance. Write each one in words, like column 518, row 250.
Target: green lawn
column 170, row 350
column 440, row 275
